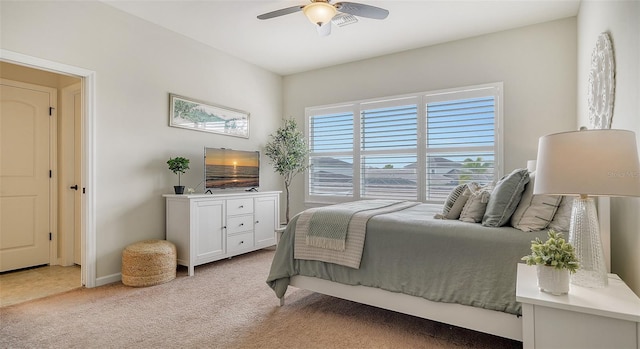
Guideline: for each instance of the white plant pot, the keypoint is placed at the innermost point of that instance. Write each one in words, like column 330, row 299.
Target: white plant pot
column 552, row 280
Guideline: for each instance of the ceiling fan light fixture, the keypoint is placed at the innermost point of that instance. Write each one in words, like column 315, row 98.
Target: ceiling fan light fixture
column 319, row 12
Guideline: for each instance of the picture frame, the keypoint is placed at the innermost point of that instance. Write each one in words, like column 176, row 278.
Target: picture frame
column 192, row 114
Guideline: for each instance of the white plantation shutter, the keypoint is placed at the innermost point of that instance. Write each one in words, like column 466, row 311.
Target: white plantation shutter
column 414, row 147
column 331, row 154
column 461, row 135
column 388, row 142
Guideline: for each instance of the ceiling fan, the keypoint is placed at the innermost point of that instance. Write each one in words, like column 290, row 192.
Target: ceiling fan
column 322, row 13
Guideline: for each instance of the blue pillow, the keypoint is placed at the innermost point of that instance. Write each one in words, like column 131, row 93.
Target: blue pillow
column 504, row 198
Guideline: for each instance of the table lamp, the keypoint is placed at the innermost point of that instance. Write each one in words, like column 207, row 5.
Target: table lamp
column 585, row 164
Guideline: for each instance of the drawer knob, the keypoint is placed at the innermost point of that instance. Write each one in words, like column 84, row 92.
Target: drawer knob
column 241, row 224
column 241, row 206
column 241, row 242
column 257, row 222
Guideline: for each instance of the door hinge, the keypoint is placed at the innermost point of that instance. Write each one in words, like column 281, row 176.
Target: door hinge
column 50, row 236
column 51, row 111
column 50, row 174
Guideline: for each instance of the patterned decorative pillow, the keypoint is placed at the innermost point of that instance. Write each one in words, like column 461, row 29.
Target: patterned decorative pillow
column 534, row 212
column 562, row 219
column 454, row 203
column 474, row 209
column 505, row 198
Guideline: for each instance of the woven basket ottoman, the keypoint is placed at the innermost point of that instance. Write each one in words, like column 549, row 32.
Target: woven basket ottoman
column 148, row 263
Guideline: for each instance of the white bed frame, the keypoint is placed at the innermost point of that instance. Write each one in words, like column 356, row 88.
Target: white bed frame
column 487, row 321
column 478, row 319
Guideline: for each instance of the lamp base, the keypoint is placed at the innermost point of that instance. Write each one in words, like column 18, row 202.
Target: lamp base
column 584, row 235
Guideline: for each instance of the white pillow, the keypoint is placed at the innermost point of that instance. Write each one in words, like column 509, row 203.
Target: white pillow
column 474, row 208
column 455, row 202
column 534, row 212
column 562, row 218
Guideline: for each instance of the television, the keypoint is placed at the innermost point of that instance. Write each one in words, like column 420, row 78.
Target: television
column 231, row 169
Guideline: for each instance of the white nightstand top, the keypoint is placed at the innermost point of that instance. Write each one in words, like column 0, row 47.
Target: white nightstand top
column 614, row 301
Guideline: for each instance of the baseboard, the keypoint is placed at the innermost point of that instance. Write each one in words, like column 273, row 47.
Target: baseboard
column 101, row 281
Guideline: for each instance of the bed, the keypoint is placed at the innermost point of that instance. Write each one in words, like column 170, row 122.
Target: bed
column 459, row 273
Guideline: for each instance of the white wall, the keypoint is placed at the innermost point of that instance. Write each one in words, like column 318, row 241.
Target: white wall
column 621, row 20
column 536, row 63
column 137, row 64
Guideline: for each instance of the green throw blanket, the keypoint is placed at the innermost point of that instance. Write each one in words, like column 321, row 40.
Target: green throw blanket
column 328, row 226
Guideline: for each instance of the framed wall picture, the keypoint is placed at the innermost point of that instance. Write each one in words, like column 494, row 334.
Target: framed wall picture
column 207, row 117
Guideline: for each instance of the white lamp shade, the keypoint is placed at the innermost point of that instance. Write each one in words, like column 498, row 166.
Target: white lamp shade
column 588, row 162
column 319, row 13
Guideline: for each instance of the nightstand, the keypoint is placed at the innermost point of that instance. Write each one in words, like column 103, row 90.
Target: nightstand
column 584, row 318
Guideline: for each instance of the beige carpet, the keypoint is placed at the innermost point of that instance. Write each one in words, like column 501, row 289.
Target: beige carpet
column 225, row 305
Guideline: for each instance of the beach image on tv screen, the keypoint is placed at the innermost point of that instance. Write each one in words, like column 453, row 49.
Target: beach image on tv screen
column 226, row 168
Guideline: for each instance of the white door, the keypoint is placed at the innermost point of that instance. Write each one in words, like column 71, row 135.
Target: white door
column 25, row 131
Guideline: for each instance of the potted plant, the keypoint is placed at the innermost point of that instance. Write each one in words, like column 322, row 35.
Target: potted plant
column 178, row 165
column 554, row 260
column 288, row 152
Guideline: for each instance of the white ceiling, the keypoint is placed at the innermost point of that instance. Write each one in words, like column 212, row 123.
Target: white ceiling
column 290, row 44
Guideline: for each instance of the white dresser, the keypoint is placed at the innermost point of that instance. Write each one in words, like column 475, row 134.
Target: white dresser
column 584, row 318
column 209, row 227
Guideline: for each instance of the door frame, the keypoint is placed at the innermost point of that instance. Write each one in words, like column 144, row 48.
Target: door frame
column 67, row 248
column 88, row 78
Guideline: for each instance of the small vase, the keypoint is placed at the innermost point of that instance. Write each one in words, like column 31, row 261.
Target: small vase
column 179, row 189
column 552, row 280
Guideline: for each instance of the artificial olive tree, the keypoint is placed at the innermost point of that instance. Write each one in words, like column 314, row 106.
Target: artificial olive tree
column 287, row 150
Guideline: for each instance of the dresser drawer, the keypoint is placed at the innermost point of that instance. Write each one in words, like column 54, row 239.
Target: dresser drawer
column 239, row 242
column 239, row 206
column 239, row 224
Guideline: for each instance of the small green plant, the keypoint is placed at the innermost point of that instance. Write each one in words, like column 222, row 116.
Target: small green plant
column 555, row 252
column 178, row 165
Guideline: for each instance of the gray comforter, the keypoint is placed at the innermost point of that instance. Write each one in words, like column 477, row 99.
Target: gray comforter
column 411, row 252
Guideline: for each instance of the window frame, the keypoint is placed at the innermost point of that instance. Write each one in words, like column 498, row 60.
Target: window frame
column 421, row 99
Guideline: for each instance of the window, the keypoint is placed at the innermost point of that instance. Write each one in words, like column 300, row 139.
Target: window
column 415, row 147
column 461, row 142
column 388, row 148
column 331, row 141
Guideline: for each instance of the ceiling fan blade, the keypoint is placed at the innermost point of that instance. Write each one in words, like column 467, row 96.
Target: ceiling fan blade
column 281, row 12
column 362, row 10
column 325, row 29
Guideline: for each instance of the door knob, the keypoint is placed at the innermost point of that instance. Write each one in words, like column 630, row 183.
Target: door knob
column 75, row 187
